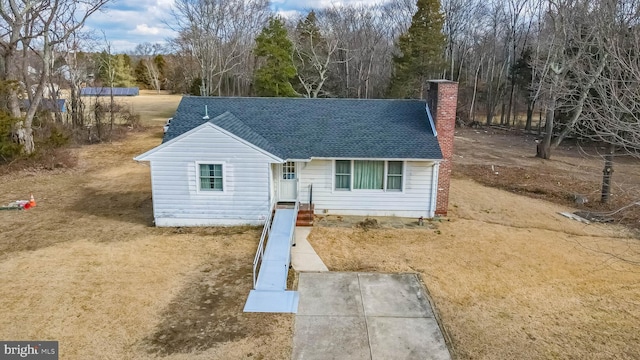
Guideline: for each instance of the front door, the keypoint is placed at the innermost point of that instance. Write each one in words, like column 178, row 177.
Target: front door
column 289, row 182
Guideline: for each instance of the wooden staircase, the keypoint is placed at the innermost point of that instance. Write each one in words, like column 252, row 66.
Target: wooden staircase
column 305, row 215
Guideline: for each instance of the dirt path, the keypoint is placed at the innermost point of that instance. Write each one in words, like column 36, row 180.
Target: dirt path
column 505, row 159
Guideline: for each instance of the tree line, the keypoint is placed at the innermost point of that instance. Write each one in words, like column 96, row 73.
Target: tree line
column 558, row 66
column 573, row 63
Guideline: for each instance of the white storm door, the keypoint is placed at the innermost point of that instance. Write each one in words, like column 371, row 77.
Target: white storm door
column 288, row 182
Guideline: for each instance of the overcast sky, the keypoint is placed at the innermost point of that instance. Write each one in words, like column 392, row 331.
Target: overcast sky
column 127, row 23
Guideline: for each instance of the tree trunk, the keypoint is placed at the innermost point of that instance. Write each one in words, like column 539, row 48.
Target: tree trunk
column 472, row 108
column 607, row 172
column 510, row 106
column 75, row 119
column 539, row 122
column 530, row 105
column 489, row 115
column 111, row 112
column 544, row 146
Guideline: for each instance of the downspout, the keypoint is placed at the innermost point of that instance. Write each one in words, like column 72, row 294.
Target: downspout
column 434, row 189
column 270, row 188
column 153, row 197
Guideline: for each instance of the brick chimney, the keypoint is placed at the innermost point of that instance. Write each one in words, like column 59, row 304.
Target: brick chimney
column 442, row 98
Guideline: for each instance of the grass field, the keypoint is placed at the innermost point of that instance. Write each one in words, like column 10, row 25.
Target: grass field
column 510, row 277
column 510, row 284
column 87, row 268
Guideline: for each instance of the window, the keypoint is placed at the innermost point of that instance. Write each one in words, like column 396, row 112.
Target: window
column 343, row 175
column 394, row 175
column 211, row 177
column 289, row 170
column 368, row 174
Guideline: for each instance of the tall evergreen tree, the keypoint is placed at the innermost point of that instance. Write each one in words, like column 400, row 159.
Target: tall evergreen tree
column 273, row 77
column 140, row 72
column 114, row 70
column 422, row 49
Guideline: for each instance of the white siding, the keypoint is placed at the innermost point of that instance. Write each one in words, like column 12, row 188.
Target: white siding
column 176, row 198
column 413, row 201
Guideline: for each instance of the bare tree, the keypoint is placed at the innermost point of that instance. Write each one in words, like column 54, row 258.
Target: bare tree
column 519, row 15
column 461, row 16
column 38, row 27
column 313, row 53
column 611, row 111
column 359, row 65
column 564, row 50
column 107, row 65
column 218, row 34
column 147, row 53
column 78, row 68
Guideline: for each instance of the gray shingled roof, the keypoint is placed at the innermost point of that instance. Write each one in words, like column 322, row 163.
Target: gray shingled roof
column 298, row 128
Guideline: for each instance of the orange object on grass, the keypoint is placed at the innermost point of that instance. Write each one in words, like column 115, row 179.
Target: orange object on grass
column 32, row 201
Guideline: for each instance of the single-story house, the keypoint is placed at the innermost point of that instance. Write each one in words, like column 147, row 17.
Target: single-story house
column 227, row 161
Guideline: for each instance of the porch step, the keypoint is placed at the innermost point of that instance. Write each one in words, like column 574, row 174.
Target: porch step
column 304, row 222
column 305, row 215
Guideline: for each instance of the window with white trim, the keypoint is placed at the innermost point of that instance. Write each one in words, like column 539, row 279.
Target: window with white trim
column 369, row 175
column 343, row 174
column 211, row 177
column 394, row 175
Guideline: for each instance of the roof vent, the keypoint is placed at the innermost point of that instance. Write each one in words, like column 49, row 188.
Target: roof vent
column 206, row 113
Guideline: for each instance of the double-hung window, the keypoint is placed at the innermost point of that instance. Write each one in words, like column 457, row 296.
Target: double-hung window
column 368, row 175
column 343, row 174
column 394, row 175
column 211, row 177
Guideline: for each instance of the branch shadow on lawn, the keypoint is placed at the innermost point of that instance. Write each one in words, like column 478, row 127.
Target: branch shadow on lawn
column 208, row 312
column 130, row 206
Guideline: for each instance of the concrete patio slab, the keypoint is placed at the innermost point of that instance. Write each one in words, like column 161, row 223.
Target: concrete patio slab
column 406, row 338
column 348, row 340
column 330, row 293
column 393, row 295
column 391, row 312
column 303, row 257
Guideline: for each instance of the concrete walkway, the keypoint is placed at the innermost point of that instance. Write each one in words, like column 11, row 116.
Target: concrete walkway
column 365, row 316
column 303, row 257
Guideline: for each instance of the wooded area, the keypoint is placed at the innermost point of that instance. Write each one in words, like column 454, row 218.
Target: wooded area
column 572, row 65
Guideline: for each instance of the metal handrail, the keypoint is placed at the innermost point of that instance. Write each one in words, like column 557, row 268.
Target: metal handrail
column 260, row 251
column 296, row 208
column 310, row 202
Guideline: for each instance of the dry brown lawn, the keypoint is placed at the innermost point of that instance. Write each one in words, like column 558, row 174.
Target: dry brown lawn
column 86, row 267
column 510, row 278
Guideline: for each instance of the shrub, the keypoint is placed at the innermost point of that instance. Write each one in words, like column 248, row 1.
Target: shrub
column 8, row 149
